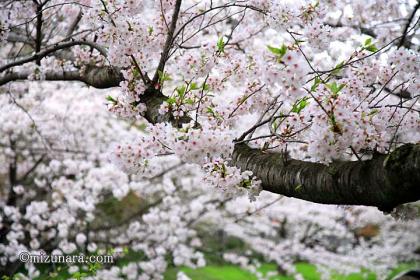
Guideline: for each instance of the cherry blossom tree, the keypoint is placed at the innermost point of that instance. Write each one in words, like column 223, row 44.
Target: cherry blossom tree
column 61, row 193
column 307, row 99
column 317, row 100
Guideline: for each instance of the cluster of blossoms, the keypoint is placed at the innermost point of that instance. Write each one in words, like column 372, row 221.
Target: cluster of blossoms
column 129, row 32
column 231, row 79
column 284, row 15
column 231, row 180
column 294, row 73
column 406, row 64
column 197, row 64
column 319, row 35
column 189, row 144
column 127, row 105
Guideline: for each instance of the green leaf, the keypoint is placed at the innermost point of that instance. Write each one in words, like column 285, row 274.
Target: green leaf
column 210, row 110
column 332, row 86
column 300, row 105
column 220, row 45
column 275, row 125
column 335, row 89
column 224, row 171
column 274, row 50
column 205, row 86
column 136, row 73
column 246, row 183
column 141, row 127
column 181, row 91
column 369, row 46
column 111, row 99
column 280, row 52
column 338, row 68
column 150, row 30
column 317, row 81
column 372, row 48
column 163, row 77
column 171, row 100
column 216, row 115
column 373, row 113
column 193, row 86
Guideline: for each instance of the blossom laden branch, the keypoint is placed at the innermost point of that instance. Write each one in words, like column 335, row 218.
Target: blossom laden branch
column 41, row 54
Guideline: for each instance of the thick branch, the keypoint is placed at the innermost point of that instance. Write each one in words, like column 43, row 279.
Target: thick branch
column 384, row 181
column 153, row 98
column 39, row 55
column 38, row 38
column 98, row 77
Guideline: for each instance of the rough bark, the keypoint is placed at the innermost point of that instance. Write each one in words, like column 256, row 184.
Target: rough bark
column 384, row 181
column 98, row 77
column 153, row 99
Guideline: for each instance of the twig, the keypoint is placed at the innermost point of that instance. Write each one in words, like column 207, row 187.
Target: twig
column 168, row 42
column 410, row 19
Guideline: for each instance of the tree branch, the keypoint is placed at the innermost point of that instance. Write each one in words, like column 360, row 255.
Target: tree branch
column 168, row 42
column 38, row 39
column 74, row 23
column 410, row 19
column 98, row 77
column 39, row 55
column 384, row 181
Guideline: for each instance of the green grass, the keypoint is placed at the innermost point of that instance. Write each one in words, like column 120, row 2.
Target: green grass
column 216, row 269
column 231, row 272
column 212, row 273
column 308, row 271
